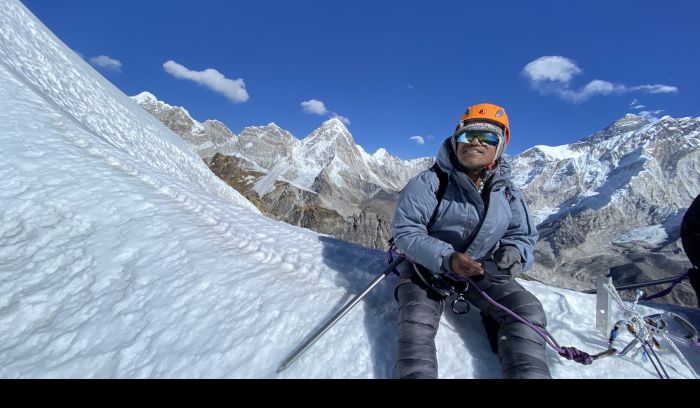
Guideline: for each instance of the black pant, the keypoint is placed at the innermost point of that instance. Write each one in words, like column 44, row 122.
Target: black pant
column 521, row 350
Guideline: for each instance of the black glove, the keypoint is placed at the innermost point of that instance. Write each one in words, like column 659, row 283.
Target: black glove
column 508, row 258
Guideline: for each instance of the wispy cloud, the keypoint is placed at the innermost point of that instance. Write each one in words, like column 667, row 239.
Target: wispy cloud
column 411, row 87
column 107, row 63
column 418, row 139
column 341, row 118
column 651, row 115
column 314, row 106
column 233, row 89
column 553, row 75
column 636, row 105
column 655, row 89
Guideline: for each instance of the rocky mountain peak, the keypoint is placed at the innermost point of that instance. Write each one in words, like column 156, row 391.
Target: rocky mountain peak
column 628, row 123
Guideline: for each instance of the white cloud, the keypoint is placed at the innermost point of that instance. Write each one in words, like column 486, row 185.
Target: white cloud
column 635, row 101
column 107, row 63
column 341, row 118
column 233, row 89
column 553, row 74
column 638, row 107
column 551, row 68
column 314, row 106
column 411, row 87
column 418, row 139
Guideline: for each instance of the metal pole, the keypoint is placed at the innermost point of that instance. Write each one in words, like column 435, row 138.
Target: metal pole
column 603, row 318
column 638, row 285
column 302, row 348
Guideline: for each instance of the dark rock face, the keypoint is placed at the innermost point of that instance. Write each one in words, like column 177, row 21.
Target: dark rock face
column 305, row 208
column 369, row 229
column 232, row 171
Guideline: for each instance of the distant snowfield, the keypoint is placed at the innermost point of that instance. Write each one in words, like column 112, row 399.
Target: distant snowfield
column 653, row 235
column 557, row 152
column 121, row 256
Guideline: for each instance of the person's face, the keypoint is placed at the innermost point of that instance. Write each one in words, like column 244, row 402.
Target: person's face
column 475, row 155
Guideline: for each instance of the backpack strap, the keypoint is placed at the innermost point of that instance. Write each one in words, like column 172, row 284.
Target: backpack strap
column 442, row 176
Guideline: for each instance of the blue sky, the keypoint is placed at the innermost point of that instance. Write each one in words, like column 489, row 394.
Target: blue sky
column 395, row 69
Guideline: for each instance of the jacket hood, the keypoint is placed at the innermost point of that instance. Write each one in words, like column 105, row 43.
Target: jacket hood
column 447, row 160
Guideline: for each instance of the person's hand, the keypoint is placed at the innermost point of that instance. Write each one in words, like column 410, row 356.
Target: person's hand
column 463, row 265
column 507, row 258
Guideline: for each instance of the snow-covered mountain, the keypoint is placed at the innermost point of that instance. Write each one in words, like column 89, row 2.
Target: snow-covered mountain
column 327, row 161
column 122, row 256
column 206, row 138
column 614, row 201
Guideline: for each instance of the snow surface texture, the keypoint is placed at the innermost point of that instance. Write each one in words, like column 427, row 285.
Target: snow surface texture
column 121, row 257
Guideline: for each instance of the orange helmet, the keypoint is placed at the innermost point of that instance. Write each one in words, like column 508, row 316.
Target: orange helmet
column 488, row 112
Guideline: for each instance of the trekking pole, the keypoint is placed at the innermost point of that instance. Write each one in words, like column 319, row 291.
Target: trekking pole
column 320, row 332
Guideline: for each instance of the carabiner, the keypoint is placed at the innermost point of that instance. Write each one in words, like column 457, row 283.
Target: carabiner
column 460, row 299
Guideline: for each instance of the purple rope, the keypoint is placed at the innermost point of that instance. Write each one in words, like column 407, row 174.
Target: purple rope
column 390, row 253
column 668, row 289
column 570, row 353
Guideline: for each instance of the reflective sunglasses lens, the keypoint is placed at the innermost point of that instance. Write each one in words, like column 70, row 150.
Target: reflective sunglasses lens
column 489, row 138
column 483, row 137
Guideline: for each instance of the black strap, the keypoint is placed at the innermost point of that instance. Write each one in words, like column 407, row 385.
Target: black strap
column 442, row 187
column 442, row 176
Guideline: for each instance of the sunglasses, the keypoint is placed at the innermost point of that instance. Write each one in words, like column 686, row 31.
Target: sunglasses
column 483, row 137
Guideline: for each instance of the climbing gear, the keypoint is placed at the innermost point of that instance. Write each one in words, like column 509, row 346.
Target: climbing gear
column 646, row 332
column 344, row 310
column 445, row 286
